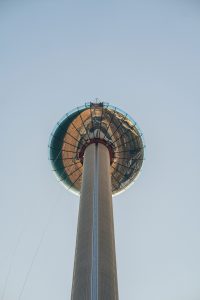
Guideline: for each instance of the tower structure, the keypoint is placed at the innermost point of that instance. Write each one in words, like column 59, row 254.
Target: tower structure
column 96, row 151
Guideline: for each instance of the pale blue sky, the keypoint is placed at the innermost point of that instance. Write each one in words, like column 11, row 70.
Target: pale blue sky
column 143, row 56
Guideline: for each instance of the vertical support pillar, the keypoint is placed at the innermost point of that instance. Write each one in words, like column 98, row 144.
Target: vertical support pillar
column 95, row 274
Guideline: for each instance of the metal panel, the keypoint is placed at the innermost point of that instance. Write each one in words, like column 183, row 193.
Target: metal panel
column 95, row 275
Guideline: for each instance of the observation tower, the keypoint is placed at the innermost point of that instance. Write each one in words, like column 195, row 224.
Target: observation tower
column 96, row 151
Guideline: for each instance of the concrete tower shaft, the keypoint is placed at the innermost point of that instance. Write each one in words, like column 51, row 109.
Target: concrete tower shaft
column 95, row 273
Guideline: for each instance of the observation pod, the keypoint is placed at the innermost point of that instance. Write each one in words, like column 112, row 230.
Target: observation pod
column 96, row 151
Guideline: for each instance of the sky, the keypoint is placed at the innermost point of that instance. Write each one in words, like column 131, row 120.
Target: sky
column 142, row 56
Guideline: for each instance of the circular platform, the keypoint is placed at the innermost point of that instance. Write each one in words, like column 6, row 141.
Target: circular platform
column 96, row 123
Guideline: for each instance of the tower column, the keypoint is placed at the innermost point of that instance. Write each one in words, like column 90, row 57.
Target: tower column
column 95, row 275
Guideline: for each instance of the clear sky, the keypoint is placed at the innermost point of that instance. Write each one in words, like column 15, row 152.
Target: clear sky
column 144, row 57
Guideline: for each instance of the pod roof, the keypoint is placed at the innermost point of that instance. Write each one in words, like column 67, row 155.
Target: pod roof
column 96, row 123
